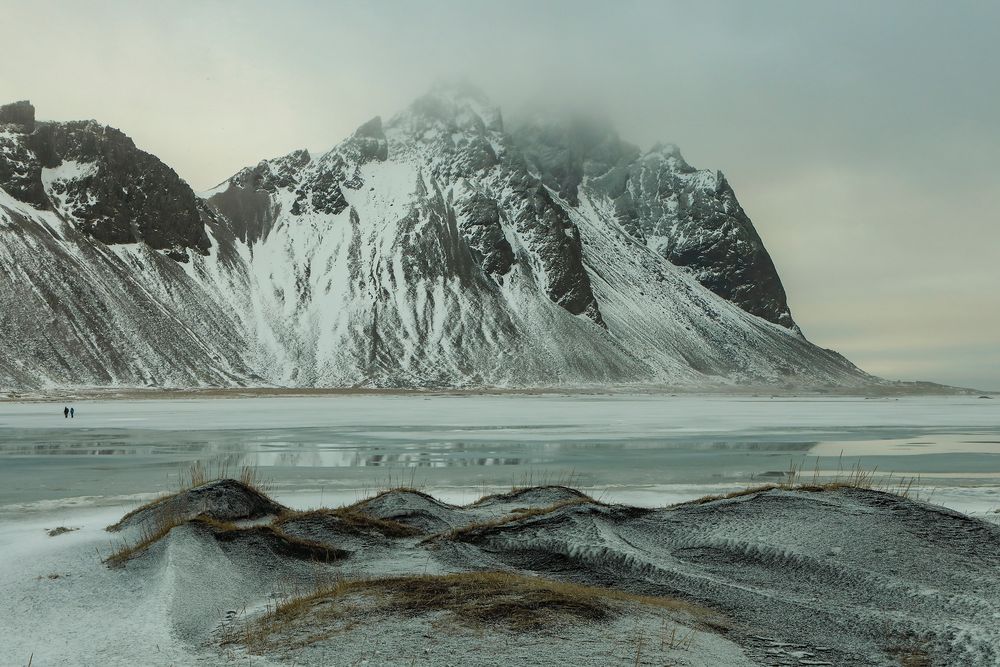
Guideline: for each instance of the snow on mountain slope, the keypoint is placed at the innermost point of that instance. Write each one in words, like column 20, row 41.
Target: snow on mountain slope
column 427, row 251
column 691, row 217
column 680, row 326
column 74, row 311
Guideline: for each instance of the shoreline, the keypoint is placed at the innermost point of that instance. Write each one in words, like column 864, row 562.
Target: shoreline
column 895, row 390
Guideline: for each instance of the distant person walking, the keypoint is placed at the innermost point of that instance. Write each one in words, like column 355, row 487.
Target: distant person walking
column 65, row 413
column 72, row 413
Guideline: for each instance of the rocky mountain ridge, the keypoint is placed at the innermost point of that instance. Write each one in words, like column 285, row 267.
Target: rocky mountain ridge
column 690, row 217
column 434, row 249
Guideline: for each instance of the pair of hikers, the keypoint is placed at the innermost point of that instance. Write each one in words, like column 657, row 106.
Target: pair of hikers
column 69, row 413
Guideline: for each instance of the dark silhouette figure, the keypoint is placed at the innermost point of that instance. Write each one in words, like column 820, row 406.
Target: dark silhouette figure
column 72, row 413
column 65, row 413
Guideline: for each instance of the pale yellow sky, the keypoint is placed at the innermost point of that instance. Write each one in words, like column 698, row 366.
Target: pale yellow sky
column 862, row 138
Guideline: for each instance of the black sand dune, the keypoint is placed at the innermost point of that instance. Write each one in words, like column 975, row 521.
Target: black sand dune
column 835, row 575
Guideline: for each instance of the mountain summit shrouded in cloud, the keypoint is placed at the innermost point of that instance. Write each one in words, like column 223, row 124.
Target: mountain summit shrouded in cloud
column 433, row 249
column 860, row 137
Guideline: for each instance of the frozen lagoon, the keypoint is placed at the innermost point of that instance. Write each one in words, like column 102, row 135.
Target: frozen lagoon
column 645, row 450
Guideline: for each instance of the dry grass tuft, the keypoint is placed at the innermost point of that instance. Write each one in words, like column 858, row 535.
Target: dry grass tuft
column 115, row 527
column 478, row 599
column 150, row 533
column 516, row 492
column 277, row 540
column 224, row 531
column 855, row 478
column 676, row 639
column 914, row 659
column 352, row 520
column 532, row 479
column 197, row 475
column 520, row 514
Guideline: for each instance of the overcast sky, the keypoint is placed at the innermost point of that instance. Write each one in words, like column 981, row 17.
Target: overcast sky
column 862, row 138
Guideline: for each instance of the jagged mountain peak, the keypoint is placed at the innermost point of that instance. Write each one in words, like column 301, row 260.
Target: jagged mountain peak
column 367, row 143
column 566, row 148
column 450, row 106
column 371, row 128
column 459, row 90
column 689, row 216
column 19, row 115
column 582, row 129
column 668, row 152
column 438, row 248
column 94, row 177
column 665, row 148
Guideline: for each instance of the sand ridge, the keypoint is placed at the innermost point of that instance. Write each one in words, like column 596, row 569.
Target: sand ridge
column 838, row 576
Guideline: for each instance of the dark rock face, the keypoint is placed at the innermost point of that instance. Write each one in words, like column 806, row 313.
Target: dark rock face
column 324, row 186
column 116, row 194
column 690, row 217
column 538, row 218
column 481, row 225
column 461, row 136
column 271, row 175
column 693, row 218
column 318, row 184
column 564, row 153
column 369, row 142
column 20, row 172
column 18, row 113
column 247, row 213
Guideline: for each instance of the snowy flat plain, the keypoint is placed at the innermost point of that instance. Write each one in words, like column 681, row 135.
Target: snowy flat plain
column 645, row 450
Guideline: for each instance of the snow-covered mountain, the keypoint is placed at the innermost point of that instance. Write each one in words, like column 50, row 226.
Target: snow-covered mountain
column 436, row 249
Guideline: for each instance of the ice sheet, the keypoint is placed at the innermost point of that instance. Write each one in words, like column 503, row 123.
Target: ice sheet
column 641, row 449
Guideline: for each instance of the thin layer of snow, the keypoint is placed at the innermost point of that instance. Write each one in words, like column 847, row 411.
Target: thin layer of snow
column 68, row 170
column 793, row 572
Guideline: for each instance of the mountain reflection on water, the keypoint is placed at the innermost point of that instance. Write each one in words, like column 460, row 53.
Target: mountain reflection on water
column 118, row 448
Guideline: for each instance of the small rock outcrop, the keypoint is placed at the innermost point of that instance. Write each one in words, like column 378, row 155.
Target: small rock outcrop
column 20, row 113
column 95, row 177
